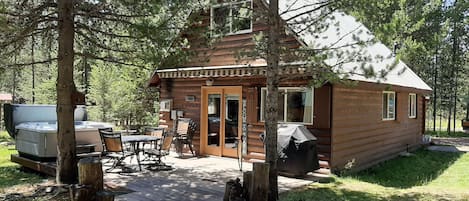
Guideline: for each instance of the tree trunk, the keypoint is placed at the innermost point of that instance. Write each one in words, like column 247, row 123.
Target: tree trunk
column 67, row 170
column 33, row 71
column 435, row 87
column 271, row 111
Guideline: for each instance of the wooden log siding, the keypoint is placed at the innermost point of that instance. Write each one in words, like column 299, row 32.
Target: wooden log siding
column 225, row 50
column 177, row 89
column 360, row 137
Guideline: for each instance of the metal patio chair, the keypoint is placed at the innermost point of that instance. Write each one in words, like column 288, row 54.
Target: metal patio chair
column 156, row 132
column 161, row 151
column 185, row 129
column 114, row 149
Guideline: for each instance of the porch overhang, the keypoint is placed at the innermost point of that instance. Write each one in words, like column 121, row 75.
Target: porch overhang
column 230, row 71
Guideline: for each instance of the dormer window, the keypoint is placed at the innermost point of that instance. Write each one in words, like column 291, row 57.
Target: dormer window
column 231, row 17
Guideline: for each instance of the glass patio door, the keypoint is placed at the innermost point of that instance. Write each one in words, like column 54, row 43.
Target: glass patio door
column 221, row 120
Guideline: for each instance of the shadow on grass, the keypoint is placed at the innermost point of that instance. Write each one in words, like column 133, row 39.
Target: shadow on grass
column 406, row 172
column 337, row 194
column 13, row 175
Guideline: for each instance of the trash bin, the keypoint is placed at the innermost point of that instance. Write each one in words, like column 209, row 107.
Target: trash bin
column 297, row 154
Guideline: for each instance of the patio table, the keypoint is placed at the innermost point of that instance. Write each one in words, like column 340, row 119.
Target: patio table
column 135, row 140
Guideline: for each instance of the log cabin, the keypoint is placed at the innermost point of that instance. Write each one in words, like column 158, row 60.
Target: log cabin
column 356, row 125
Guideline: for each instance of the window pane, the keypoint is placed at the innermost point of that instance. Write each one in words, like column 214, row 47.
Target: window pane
column 281, row 105
column 220, row 19
column 391, row 105
column 214, row 114
column 241, row 17
column 299, row 108
column 263, row 96
column 385, row 105
column 410, row 105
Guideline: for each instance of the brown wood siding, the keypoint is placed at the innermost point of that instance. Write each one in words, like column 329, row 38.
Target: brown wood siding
column 359, row 135
column 226, row 50
column 177, row 89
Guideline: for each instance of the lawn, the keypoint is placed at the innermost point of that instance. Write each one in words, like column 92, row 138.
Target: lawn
column 446, row 134
column 425, row 175
column 11, row 174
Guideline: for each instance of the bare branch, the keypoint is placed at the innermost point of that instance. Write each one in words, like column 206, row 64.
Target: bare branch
column 30, row 63
column 307, row 11
column 100, row 45
column 108, row 59
column 25, row 34
column 91, row 29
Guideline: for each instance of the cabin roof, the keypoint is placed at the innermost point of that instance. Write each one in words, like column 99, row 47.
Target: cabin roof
column 339, row 37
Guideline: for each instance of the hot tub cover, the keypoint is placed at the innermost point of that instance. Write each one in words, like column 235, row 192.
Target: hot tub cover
column 51, row 126
column 16, row 114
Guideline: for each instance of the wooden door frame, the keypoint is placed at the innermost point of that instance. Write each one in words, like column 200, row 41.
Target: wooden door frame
column 222, row 90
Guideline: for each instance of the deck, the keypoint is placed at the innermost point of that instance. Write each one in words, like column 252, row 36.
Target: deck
column 193, row 179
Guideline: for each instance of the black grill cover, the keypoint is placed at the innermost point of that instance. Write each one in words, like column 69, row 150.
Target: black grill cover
column 296, row 150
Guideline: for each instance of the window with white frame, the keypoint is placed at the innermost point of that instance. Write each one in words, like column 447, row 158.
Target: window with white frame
column 389, row 105
column 295, row 104
column 231, row 17
column 412, row 105
column 165, row 105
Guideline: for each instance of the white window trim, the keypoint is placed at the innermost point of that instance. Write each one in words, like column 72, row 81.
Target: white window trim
column 229, row 4
column 286, row 105
column 412, row 106
column 165, row 105
column 387, row 106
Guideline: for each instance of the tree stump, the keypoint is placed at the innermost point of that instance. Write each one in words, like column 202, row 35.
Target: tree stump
column 90, row 174
column 259, row 188
column 247, row 179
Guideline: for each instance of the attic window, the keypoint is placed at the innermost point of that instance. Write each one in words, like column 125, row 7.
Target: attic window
column 231, row 17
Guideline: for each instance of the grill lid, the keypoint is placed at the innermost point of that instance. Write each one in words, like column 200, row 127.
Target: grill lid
column 15, row 114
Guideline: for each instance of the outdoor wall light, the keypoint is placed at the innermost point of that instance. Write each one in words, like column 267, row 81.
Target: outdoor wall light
column 209, row 82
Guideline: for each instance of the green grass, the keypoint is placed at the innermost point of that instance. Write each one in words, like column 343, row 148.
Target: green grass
column 444, row 124
column 446, row 134
column 4, row 137
column 424, row 176
column 11, row 173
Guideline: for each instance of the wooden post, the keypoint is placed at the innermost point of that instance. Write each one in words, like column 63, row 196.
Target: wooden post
column 247, row 179
column 259, row 188
column 90, row 174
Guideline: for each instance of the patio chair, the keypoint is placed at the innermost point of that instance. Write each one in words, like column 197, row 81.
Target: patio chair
column 154, row 131
column 162, row 151
column 185, row 129
column 100, row 130
column 114, row 149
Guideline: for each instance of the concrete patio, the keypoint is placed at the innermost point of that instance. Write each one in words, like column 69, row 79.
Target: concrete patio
column 191, row 179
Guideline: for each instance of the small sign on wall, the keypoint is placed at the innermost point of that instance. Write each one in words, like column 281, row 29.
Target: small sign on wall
column 190, row 98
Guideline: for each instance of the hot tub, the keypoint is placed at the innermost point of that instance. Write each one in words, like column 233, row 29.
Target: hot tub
column 39, row 139
column 34, row 128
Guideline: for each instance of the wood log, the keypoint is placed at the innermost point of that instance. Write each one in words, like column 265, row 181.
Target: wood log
column 105, row 196
column 90, row 174
column 228, row 185
column 259, row 188
column 247, row 179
